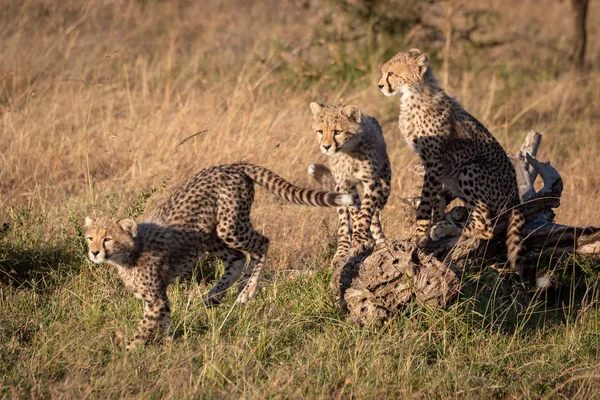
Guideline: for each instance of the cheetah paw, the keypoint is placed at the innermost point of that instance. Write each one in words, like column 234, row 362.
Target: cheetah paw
column 359, row 249
column 444, row 229
column 211, row 301
column 338, row 262
column 242, row 298
column 340, row 258
column 419, row 240
column 131, row 347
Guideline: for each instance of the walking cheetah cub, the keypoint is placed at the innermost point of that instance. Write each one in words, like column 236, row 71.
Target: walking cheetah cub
column 459, row 153
column 357, row 156
column 209, row 213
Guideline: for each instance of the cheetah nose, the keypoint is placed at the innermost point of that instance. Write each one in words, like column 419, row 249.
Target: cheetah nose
column 380, row 86
column 326, row 146
column 95, row 252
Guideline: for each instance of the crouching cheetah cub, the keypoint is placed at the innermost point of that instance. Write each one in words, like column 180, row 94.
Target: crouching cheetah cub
column 357, row 157
column 209, row 213
column 459, row 153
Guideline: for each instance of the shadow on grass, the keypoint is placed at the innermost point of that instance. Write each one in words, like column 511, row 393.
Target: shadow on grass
column 37, row 266
column 499, row 300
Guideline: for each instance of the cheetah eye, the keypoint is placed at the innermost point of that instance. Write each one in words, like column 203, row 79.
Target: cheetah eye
column 89, row 238
column 335, row 132
column 107, row 239
column 390, row 74
column 319, row 132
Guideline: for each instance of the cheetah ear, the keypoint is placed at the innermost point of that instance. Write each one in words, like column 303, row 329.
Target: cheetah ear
column 88, row 221
column 415, row 52
column 315, row 108
column 423, row 63
column 128, row 225
column 353, row 113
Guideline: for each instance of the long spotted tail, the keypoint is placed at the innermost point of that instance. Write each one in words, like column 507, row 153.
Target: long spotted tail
column 292, row 193
column 516, row 252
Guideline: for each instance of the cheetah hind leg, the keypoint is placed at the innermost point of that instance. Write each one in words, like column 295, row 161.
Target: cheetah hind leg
column 233, row 261
column 479, row 223
column 478, row 226
column 249, row 283
column 444, row 229
column 258, row 247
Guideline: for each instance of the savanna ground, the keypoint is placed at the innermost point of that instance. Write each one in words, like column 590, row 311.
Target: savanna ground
column 96, row 102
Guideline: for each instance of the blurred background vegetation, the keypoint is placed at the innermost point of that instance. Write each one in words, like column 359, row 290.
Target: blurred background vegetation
column 107, row 105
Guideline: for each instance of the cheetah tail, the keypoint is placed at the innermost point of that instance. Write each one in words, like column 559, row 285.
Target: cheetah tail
column 292, row 193
column 323, row 175
column 516, row 252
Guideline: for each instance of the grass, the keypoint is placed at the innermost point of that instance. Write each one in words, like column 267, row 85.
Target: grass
column 291, row 341
column 95, row 100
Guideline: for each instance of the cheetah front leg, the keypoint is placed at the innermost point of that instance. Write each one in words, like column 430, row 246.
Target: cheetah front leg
column 344, row 230
column 155, row 311
column 361, row 221
column 376, row 228
column 444, row 198
column 430, row 197
column 164, row 323
column 438, row 212
column 440, row 227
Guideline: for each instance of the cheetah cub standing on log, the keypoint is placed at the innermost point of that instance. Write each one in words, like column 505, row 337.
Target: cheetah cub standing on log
column 357, row 156
column 209, row 213
column 457, row 152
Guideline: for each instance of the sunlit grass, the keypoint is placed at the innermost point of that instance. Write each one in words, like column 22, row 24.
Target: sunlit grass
column 95, row 100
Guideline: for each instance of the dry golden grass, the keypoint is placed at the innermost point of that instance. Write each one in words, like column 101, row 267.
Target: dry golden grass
column 111, row 88
column 97, row 100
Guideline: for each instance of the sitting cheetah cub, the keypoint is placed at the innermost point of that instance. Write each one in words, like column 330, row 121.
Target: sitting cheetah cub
column 357, row 156
column 209, row 213
column 458, row 153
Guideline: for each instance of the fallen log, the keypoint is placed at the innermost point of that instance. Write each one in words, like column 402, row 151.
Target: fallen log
column 375, row 285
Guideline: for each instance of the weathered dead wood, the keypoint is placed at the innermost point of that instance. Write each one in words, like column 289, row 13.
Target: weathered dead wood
column 374, row 286
column 526, row 174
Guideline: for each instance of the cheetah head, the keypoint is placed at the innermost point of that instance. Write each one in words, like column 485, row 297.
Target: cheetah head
column 335, row 126
column 108, row 239
column 403, row 71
